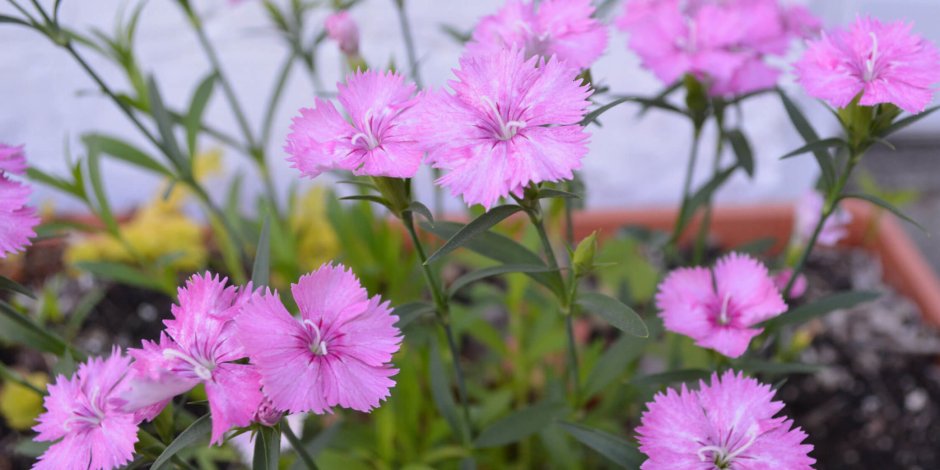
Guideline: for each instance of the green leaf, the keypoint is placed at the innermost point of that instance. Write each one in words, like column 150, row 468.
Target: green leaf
column 42, row 177
column 616, row 449
column 671, row 377
column 548, row 193
column 261, row 271
column 613, row 363
column 819, row 145
column 441, row 392
column 805, row 313
column 97, row 186
column 196, row 432
column 503, row 249
column 484, row 273
column 776, row 368
column 16, row 327
column 12, row 20
column 197, row 107
column 13, row 286
column 10, row 375
column 369, row 197
column 165, row 126
column 518, row 425
column 120, row 273
column 646, row 102
column 886, row 205
column 902, row 123
column 123, row 151
column 267, row 449
column 615, row 312
column 475, row 227
column 417, row 207
column 742, row 150
column 410, row 312
column 701, row 196
column 802, row 125
column 757, row 247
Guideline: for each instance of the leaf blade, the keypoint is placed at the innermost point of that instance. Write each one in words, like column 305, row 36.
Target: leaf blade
column 615, row 449
column 477, row 226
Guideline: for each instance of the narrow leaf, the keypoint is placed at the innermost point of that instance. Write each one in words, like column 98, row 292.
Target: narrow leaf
column 805, row 313
column 475, row 227
column 417, row 207
column 18, row 328
column 13, row 286
column 613, row 363
column 548, row 193
column 671, row 377
column 123, row 151
column 474, row 276
column 165, row 126
column 819, row 145
column 776, row 368
column 97, row 186
column 614, row 448
column 886, row 205
column 267, row 449
column 368, row 197
column 196, row 432
column 518, row 425
column 742, row 150
column 120, row 273
column 647, row 102
column 410, row 312
column 42, row 177
column 802, row 125
column 197, row 107
column 615, row 312
column 702, row 195
column 441, row 392
column 261, row 271
column 902, row 123
column 12, row 20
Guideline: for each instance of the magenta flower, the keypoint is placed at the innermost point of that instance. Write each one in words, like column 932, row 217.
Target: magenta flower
column 90, row 429
column 337, row 353
column 885, row 63
column 198, row 346
column 380, row 140
column 565, row 29
column 724, row 44
column 799, row 286
column 728, row 423
column 510, row 122
column 17, row 220
column 807, row 214
column 341, row 28
column 718, row 308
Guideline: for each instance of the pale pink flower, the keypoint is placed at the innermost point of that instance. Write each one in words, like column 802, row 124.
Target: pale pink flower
column 799, row 286
column 719, row 308
column 724, row 44
column 809, row 210
column 885, row 63
column 565, row 29
column 510, row 122
column 341, row 28
column 198, row 346
column 17, row 220
column 90, row 430
column 380, row 140
column 337, row 353
column 727, row 423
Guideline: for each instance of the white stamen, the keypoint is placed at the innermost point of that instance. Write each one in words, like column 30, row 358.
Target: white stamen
column 870, row 63
column 202, row 370
column 722, row 457
column 751, row 440
column 723, row 315
column 368, row 137
column 507, row 130
column 318, row 346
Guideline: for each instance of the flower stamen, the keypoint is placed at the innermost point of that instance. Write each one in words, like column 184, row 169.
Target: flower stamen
column 318, row 345
column 202, row 369
column 870, row 62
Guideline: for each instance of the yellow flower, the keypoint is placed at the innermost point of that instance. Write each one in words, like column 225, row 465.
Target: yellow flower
column 317, row 243
column 19, row 405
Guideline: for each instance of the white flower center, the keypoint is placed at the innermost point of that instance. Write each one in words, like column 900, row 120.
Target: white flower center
column 202, row 367
column 368, row 136
column 723, row 455
column 723, row 318
column 506, row 130
column 318, row 345
column 872, row 57
column 91, row 415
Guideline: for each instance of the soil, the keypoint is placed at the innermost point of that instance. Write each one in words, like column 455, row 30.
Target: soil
column 876, row 402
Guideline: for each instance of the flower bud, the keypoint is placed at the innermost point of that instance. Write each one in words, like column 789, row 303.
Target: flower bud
column 583, row 259
column 341, row 28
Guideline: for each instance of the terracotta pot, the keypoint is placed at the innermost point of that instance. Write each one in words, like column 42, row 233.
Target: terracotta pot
column 904, row 266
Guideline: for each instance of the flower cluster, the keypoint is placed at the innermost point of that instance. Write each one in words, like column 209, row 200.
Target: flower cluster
column 727, row 423
column 17, row 220
column 254, row 359
column 723, row 44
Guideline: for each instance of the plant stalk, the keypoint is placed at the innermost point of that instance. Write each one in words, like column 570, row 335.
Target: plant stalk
column 297, row 445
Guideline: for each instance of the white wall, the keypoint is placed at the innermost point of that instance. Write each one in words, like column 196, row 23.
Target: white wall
column 45, row 100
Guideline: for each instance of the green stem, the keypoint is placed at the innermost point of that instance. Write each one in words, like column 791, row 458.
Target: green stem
column 409, row 41
column 297, row 445
column 268, row 122
column 443, row 315
column 705, row 228
column 686, row 188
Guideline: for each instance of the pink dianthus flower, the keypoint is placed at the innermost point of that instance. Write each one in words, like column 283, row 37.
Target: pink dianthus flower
column 510, row 122
column 90, row 430
column 198, row 346
column 727, row 423
column 719, row 308
column 341, row 28
column 809, row 210
column 885, row 63
column 17, row 220
column 380, row 140
column 338, row 353
column 561, row 28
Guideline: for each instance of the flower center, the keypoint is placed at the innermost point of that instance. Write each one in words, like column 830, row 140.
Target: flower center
column 723, row 455
column 872, row 57
column 368, row 138
column 318, row 345
column 202, row 367
column 505, row 130
column 723, row 317
column 90, row 415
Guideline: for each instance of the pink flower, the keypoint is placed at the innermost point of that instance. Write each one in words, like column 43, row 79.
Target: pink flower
column 799, row 286
column 728, row 423
column 723, row 44
column 337, row 353
column 565, row 29
column 807, row 214
column 17, row 220
column 341, row 28
column 380, row 140
column 198, row 346
column 91, row 431
column 510, row 122
column 886, row 63
column 718, row 308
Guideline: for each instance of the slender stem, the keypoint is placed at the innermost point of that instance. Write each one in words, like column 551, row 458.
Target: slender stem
column 573, row 369
column 686, row 188
column 25, row 13
column 409, row 41
column 443, row 314
column 297, row 445
column 705, row 227
column 275, row 99
column 43, row 13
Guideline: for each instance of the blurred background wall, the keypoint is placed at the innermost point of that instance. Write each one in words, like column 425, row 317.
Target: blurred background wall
column 46, row 102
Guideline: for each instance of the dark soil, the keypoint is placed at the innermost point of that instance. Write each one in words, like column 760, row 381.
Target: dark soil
column 876, row 402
